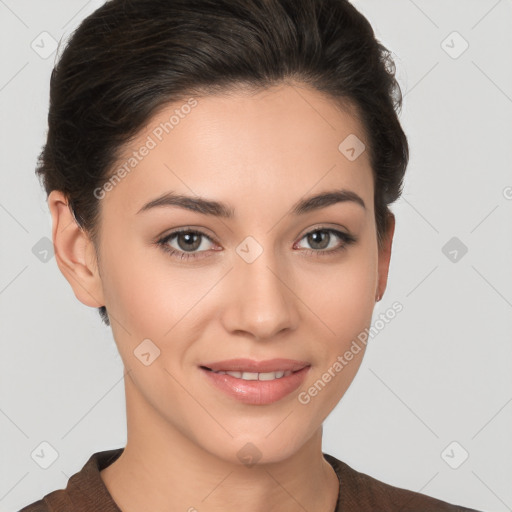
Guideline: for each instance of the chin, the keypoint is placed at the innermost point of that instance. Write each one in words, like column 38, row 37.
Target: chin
column 263, row 447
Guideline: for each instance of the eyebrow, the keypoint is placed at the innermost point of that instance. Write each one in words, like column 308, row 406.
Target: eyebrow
column 218, row 209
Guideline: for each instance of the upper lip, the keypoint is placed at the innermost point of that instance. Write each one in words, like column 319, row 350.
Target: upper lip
column 250, row 365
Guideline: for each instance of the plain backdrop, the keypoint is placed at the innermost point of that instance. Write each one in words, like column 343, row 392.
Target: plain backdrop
column 431, row 407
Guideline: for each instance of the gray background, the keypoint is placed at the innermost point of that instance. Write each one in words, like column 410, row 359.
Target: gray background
column 439, row 372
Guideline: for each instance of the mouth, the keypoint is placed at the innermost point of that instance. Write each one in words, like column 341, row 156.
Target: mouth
column 251, row 366
column 256, row 382
column 253, row 375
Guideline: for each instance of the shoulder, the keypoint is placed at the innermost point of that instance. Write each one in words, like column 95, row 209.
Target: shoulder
column 361, row 492
column 38, row 506
column 85, row 491
column 55, row 501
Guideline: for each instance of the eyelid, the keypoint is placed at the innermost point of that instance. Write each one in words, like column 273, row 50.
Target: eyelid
column 327, row 226
column 186, row 229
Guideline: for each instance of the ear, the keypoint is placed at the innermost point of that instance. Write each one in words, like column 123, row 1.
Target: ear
column 74, row 252
column 385, row 257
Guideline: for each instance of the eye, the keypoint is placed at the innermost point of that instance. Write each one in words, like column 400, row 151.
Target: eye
column 321, row 240
column 189, row 243
column 187, row 240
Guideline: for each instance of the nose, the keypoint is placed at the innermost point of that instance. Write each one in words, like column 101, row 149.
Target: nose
column 261, row 301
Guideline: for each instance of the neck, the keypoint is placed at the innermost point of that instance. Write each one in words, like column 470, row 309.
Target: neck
column 161, row 470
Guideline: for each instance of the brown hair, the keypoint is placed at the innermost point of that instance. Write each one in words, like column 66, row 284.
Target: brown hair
column 131, row 57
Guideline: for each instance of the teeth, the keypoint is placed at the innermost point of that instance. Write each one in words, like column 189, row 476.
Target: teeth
column 270, row 375
column 256, row 376
column 249, row 376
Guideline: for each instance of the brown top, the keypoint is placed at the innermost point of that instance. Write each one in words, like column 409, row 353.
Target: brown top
column 86, row 492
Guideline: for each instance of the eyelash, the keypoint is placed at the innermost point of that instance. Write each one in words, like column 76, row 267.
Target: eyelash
column 182, row 255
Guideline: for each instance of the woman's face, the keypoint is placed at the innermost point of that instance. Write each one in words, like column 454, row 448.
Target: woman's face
column 268, row 281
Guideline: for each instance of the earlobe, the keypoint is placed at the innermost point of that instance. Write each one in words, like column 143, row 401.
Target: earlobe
column 385, row 257
column 74, row 252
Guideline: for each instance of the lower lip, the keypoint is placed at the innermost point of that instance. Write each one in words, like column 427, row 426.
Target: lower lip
column 257, row 392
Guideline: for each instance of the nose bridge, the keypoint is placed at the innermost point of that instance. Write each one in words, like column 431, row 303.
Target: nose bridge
column 262, row 303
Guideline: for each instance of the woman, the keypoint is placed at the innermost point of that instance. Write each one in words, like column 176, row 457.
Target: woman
column 219, row 175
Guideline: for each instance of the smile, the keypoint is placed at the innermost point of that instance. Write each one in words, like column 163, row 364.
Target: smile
column 256, row 382
column 256, row 376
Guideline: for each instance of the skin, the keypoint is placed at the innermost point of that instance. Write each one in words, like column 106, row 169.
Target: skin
column 259, row 153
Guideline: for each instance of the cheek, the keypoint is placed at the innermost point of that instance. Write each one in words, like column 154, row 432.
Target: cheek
column 140, row 299
column 343, row 302
column 342, row 295
column 152, row 298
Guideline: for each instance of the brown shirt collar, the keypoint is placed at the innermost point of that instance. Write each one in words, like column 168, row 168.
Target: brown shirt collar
column 86, row 492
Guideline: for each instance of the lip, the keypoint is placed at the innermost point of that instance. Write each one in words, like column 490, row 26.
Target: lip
column 250, row 365
column 256, row 392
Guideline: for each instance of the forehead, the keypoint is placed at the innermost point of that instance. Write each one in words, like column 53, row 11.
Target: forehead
column 278, row 143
